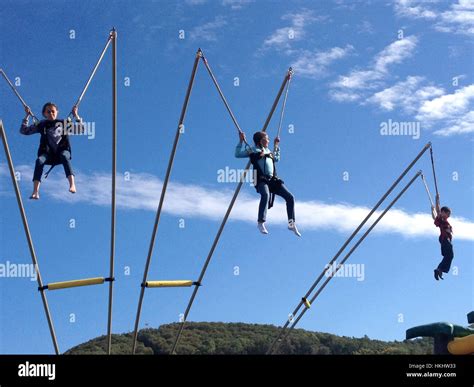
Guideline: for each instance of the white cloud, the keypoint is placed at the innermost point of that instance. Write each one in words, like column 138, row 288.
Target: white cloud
column 344, row 96
column 236, row 4
column 448, row 106
column 352, row 85
column 395, row 53
column 458, row 19
column 461, row 125
column 282, row 38
column 414, row 9
column 450, row 113
column 408, row 95
column 315, row 64
column 208, row 31
column 143, row 190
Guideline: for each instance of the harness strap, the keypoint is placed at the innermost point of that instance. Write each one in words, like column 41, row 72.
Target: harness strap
column 49, row 170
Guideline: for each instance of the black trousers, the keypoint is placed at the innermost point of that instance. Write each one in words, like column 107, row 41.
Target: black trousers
column 447, row 253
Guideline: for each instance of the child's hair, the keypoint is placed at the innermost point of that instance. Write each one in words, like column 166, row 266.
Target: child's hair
column 446, row 209
column 48, row 104
column 257, row 137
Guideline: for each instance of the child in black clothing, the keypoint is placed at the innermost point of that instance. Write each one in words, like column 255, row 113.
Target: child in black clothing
column 54, row 145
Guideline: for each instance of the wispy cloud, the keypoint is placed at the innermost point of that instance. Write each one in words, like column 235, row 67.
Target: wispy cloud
column 236, row 4
column 284, row 37
column 448, row 114
column 454, row 112
column 314, row 64
column 353, row 86
column 458, row 18
column 414, row 9
column 408, row 95
column 365, row 27
column 208, row 31
column 142, row 193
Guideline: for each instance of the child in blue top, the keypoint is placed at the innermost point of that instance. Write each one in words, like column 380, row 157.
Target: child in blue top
column 267, row 184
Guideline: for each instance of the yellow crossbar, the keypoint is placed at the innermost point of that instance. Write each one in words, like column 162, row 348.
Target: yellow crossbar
column 76, row 283
column 168, row 284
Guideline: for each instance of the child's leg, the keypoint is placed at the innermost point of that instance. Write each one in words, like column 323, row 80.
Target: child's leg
column 262, row 189
column 290, row 201
column 37, row 174
column 448, row 255
column 65, row 159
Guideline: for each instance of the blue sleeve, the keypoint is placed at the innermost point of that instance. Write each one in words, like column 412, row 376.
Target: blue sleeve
column 27, row 130
column 240, row 152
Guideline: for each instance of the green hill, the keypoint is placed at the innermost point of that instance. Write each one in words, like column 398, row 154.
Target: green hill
column 200, row 338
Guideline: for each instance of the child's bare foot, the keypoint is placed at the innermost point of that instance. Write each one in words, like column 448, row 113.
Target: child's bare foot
column 35, row 196
column 72, row 184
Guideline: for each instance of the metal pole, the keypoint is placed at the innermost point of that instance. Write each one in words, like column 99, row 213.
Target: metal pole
column 162, row 197
column 231, row 204
column 112, row 35
column 113, row 189
column 427, row 189
column 28, row 236
column 434, row 173
column 16, row 92
column 290, row 73
column 355, row 232
column 214, row 80
column 361, row 239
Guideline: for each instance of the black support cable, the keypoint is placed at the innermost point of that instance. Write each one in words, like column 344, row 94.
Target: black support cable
column 162, row 197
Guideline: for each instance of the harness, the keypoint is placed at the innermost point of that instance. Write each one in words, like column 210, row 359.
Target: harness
column 274, row 183
column 44, row 147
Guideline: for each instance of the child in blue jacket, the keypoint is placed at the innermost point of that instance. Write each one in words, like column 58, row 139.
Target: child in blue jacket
column 54, row 147
column 267, row 184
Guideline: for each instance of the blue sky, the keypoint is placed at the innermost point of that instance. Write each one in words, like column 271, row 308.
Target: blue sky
column 358, row 66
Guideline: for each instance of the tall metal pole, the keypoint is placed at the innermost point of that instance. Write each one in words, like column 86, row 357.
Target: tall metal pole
column 234, row 197
column 28, row 236
column 162, row 197
column 113, row 34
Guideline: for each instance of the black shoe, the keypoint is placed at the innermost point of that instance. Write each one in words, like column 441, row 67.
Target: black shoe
column 436, row 274
column 440, row 274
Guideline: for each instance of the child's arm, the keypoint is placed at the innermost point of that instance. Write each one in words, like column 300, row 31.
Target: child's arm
column 25, row 128
column 78, row 119
column 239, row 152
